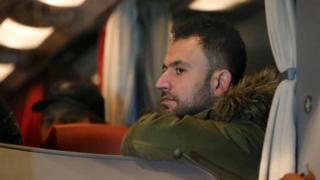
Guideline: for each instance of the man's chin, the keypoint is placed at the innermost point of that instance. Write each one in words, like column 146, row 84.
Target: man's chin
column 168, row 105
column 173, row 111
column 166, row 108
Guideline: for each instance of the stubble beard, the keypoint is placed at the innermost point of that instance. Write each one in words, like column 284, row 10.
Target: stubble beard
column 200, row 101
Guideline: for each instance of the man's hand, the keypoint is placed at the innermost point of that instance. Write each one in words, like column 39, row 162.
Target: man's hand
column 293, row 176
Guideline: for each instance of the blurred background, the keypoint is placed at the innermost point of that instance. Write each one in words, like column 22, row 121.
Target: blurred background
column 116, row 45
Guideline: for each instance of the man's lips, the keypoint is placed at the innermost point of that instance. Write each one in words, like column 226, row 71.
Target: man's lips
column 166, row 100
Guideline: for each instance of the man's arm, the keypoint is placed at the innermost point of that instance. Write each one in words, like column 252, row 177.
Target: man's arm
column 226, row 148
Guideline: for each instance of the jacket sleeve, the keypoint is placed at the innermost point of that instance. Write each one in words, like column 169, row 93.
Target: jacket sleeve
column 225, row 147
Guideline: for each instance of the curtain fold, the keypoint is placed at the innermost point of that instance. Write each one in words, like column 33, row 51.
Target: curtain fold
column 29, row 121
column 135, row 43
column 155, row 19
column 120, row 54
column 278, row 154
column 100, row 57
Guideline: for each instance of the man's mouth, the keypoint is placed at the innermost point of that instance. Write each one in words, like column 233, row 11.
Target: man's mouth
column 166, row 101
column 165, row 98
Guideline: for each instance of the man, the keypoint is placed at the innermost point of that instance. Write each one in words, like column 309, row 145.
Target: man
column 70, row 103
column 208, row 117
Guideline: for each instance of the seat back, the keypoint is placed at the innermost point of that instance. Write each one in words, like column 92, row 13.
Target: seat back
column 89, row 138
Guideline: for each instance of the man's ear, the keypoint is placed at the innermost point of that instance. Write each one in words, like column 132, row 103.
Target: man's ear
column 220, row 82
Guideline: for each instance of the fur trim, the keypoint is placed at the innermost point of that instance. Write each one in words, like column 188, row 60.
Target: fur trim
column 250, row 98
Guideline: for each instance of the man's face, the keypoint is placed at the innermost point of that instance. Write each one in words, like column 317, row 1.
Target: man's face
column 185, row 82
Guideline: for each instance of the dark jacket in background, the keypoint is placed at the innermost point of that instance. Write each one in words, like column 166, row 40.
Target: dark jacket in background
column 9, row 131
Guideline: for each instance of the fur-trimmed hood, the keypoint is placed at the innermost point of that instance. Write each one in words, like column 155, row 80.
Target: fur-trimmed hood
column 249, row 100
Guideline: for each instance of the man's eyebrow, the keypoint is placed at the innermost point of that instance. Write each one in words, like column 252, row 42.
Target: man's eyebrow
column 176, row 63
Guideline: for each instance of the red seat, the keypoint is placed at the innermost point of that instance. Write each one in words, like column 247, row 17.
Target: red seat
column 90, row 138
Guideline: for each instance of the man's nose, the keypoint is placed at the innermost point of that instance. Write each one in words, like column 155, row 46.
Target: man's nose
column 163, row 82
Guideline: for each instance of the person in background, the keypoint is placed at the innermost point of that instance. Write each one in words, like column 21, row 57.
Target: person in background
column 211, row 115
column 70, row 103
column 9, row 130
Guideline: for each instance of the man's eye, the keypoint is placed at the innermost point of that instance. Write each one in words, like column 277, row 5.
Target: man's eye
column 179, row 70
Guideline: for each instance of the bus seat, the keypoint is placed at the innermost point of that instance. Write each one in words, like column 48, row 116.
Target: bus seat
column 89, row 138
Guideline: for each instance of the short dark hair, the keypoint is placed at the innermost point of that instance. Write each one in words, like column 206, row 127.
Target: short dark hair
column 222, row 44
column 66, row 113
column 70, row 102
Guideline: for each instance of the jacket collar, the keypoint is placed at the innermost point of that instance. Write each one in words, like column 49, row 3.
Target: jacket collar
column 250, row 99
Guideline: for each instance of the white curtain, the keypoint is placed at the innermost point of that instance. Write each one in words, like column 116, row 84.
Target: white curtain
column 120, row 55
column 278, row 155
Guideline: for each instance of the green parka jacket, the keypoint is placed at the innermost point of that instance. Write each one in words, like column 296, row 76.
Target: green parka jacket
column 227, row 139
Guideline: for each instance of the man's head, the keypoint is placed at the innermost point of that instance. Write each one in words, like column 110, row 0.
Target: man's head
column 204, row 59
column 70, row 103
